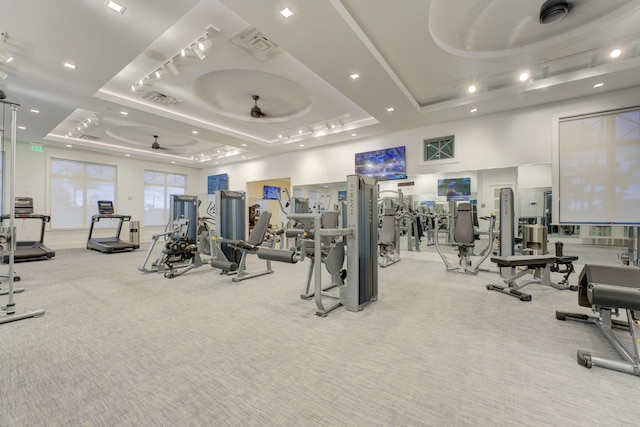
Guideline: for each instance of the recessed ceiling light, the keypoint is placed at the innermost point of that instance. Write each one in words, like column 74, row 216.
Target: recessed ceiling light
column 597, row 85
column 215, row 163
column 69, row 146
column 472, row 89
column 301, row 145
column 9, row 59
column 355, row 76
column 173, row 162
column 69, row 65
column 115, row 6
column 473, row 110
column 390, row 109
column 33, row 110
column 21, row 127
column 243, row 157
column 244, row 145
column 615, row 53
column 286, row 12
column 524, row 77
column 124, row 113
column 127, row 155
column 195, row 132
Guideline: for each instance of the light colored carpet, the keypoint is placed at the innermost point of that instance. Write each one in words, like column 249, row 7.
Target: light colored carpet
column 120, row 348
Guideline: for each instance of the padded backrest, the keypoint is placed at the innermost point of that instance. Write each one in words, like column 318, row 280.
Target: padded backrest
column 387, row 233
column 463, row 232
column 260, row 229
column 329, row 220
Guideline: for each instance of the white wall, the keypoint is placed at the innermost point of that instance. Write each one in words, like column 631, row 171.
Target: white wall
column 498, row 141
column 512, row 148
column 32, row 180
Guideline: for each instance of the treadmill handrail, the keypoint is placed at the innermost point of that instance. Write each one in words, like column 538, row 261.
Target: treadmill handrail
column 44, row 218
column 97, row 217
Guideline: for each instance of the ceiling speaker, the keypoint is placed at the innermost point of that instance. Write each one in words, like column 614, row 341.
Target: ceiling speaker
column 553, row 11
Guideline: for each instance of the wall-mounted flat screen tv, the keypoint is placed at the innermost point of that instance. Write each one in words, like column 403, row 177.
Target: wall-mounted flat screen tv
column 217, row 182
column 342, row 195
column 455, row 188
column 389, row 163
column 271, row 192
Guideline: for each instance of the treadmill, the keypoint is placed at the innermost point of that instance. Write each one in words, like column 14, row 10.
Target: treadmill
column 27, row 250
column 109, row 244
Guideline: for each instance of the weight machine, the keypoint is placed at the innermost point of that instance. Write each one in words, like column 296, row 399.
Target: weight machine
column 361, row 235
column 8, row 233
column 258, row 239
column 182, row 247
column 391, row 209
column 464, row 236
column 389, row 238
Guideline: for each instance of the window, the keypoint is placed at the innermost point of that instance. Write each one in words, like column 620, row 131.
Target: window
column 439, row 148
column 158, row 186
column 598, row 168
column 76, row 188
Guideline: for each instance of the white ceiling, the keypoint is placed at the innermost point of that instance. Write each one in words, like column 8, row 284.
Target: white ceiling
column 417, row 56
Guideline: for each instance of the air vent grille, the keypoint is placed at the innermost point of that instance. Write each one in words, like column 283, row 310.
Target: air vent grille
column 161, row 98
column 256, row 43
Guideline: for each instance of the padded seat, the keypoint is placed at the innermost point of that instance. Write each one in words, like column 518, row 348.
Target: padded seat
column 609, row 286
column 606, row 289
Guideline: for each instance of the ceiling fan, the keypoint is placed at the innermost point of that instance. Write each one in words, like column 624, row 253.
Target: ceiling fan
column 256, row 112
column 156, row 144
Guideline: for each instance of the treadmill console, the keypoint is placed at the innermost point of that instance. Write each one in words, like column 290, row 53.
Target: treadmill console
column 23, row 206
column 105, row 207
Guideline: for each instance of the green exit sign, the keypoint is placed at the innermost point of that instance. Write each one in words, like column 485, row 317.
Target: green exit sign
column 36, row 148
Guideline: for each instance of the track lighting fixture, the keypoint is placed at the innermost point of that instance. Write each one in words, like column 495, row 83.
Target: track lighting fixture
column 198, row 47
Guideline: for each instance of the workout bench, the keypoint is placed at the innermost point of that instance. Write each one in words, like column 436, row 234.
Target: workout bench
column 606, row 288
column 540, row 266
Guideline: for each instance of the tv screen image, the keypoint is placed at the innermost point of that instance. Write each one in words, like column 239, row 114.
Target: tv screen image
column 217, row 182
column 271, row 193
column 342, row 195
column 389, row 163
column 455, row 188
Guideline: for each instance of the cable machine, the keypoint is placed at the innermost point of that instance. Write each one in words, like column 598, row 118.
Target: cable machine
column 8, row 233
column 361, row 234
